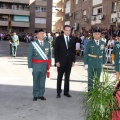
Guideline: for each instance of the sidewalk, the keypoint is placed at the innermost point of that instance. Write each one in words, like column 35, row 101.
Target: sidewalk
column 16, row 90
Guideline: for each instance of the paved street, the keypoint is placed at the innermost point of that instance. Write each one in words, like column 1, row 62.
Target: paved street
column 16, row 90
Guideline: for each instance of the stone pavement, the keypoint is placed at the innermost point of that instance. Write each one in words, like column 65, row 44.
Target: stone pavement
column 16, row 90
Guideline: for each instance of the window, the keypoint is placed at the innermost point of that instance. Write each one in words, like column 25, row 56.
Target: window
column 76, row 2
column 115, row 6
column 21, row 30
column 99, row 11
column 20, row 18
column 75, row 16
column 84, row 12
column 67, row 17
column 41, row 9
column 40, row 20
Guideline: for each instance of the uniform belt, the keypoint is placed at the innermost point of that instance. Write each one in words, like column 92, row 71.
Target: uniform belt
column 43, row 61
column 94, row 56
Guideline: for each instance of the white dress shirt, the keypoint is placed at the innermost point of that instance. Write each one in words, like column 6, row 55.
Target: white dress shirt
column 41, row 42
column 66, row 40
column 97, row 42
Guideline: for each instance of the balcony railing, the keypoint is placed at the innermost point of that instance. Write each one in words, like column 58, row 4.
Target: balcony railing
column 14, row 12
column 15, row 24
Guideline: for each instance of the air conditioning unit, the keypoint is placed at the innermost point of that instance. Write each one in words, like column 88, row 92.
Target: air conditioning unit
column 100, row 17
column 85, row 19
column 70, row 14
column 114, row 19
column 118, row 14
column 75, row 26
column 93, row 18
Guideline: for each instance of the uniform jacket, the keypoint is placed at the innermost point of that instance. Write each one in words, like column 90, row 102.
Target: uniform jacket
column 116, row 52
column 62, row 53
column 94, row 49
column 33, row 54
column 15, row 40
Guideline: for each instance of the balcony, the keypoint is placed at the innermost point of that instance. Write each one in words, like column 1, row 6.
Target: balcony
column 16, row 1
column 40, row 14
column 14, row 12
column 38, row 25
column 15, row 24
column 41, row 3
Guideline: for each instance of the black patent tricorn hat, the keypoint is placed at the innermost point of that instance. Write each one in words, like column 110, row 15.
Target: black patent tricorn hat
column 96, row 30
column 40, row 30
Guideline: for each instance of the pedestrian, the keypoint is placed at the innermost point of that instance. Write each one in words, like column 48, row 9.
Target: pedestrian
column 15, row 43
column 94, row 57
column 9, row 40
column 116, row 56
column 39, row 56
column 64, row 58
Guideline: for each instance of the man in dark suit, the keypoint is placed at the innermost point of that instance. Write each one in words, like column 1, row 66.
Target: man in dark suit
column 64, row 58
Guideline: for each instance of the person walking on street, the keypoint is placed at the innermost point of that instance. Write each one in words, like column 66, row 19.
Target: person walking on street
column 94, row 57
column 15, row 43
column 39, row 57
column 64, row 53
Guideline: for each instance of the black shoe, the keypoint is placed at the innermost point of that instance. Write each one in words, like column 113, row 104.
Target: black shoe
column 67, row 95
column 35, row 99
column 58, row 96
column 42, row 98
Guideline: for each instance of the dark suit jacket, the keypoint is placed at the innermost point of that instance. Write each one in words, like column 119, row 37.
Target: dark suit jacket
column 62, row 54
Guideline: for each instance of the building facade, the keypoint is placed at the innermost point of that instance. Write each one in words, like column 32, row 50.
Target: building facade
column 25, row 15
column 87, row 14
column 57, row 15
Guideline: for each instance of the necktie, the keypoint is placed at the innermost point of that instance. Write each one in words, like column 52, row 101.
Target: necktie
column 41, row 43
column 67, row 41
column 97, row 42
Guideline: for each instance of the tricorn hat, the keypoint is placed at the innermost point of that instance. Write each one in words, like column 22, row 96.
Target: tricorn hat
column 36, row 31
column 96, row 30
column 40, row 30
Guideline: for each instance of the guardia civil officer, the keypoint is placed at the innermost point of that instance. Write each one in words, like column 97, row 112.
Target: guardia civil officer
column 116, row 56
column 15, row 43
column 94, row 57
column 39, row 55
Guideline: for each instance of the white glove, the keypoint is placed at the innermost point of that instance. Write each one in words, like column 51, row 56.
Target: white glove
column 30, row 69
column 103, row 65
column 86, row 67
column 113, row 62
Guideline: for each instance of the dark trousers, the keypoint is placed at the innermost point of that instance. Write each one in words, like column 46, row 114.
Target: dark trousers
column 66, row 69
column 93, row 73
column 10, row 49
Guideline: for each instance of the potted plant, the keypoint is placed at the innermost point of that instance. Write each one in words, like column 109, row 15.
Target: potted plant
column 100, row 103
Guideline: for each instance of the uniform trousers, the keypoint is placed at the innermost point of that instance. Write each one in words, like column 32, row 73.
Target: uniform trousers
column 14, row 50
column 93, row 73
column 39, row 78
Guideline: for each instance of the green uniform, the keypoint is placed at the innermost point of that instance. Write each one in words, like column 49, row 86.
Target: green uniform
column 39, row 69
column 15, row 43
column 94, row 57
column 116, row 52
column 50, row 40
